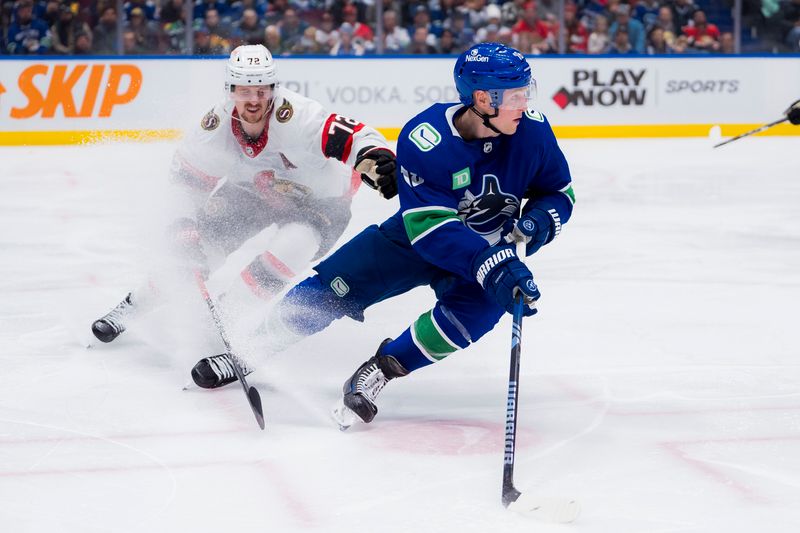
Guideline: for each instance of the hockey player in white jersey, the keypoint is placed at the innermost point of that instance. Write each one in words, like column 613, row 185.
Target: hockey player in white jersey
column 264, row 155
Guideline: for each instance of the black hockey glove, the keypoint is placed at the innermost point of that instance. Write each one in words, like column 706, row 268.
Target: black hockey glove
column 534, row 227
column 502, row 274
column 793, row 113
column 378, row 168
column 184, row 236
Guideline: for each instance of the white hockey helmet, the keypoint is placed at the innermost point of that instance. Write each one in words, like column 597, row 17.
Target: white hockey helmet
column 250, row 64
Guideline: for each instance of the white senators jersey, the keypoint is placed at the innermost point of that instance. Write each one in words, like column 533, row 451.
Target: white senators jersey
column 304, row 149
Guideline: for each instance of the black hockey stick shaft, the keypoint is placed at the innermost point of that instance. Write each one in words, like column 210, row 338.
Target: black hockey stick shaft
column 253, row 398
column 752, row 132
column 509, row 492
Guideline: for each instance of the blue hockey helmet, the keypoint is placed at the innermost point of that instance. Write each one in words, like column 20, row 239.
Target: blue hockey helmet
column 491, row 67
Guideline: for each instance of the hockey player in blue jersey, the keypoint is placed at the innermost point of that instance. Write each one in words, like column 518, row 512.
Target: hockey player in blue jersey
column 466, row 169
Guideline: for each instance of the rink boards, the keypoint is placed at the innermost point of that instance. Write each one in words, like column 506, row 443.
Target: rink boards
column 76, row 100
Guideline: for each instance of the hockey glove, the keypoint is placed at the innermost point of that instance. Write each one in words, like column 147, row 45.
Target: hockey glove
column 184, row 236
column 535, row 228
column 502, row 274
column 793, row 113
column 378, row 168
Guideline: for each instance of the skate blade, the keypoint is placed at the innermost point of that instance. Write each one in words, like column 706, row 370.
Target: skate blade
column 343, row 416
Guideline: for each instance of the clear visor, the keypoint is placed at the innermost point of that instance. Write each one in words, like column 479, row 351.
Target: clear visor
column 518, row 97
column 243, row 93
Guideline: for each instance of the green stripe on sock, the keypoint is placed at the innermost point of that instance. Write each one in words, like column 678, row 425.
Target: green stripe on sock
column 430, row 339
column 420, row 222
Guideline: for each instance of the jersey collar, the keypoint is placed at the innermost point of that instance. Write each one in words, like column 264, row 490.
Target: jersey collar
column 250, row 148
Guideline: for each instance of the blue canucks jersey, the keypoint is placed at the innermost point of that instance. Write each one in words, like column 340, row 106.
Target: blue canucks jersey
column 459, row 197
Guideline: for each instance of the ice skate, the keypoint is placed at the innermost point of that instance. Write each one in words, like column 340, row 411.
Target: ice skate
column 217, row 371
column 108, row 328
column 363, row 387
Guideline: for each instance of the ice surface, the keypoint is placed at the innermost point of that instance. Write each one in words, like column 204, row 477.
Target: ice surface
column 660, row 381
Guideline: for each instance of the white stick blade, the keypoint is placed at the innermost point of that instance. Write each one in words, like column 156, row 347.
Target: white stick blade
column 553, row 510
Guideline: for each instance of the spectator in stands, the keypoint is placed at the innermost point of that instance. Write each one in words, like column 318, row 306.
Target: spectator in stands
column 793, row 38
column 656, row 44
column 666, row 22
column 147, row 7
column 51, row 14
column 682, row 11
column 207, row 43
column 473, row 9
column 532, row 34
column 272, row 40
column 577, row 34
column 326, row 35
column 395, row 37
column 218, row 29
column 702, row 35
column 647, row 11
column 512, row 11
column 633, row 28
column 680, row 45
column 463, row 34
column 727, row 44
column 201, row 6
column 347, row 46
column 494, row 25
column 308, row 43
column 621, row 43
column 361, row 32
column 599, row 39
column 275, row 11
column 65, row 31
column 171, row 11
column 238, row 6
column 292, row 29
column 27, row 35
column 105, row 33
column 83, row 42
column 421, row 42
column 147, row 33
column 129, row 45
column 248, row 29
column 422, row 19
column 448, row 43
column 789, row 20
column 174, row 35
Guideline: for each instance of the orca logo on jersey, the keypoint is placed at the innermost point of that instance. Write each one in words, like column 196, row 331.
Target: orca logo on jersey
column 487, row 212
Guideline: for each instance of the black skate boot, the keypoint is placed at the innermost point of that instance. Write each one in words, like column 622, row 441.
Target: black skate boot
column 109, row 327
column 217, row 371
column 363, row 387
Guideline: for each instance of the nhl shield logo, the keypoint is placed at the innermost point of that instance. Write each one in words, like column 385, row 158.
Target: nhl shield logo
column 284, row 112
column 210, row 121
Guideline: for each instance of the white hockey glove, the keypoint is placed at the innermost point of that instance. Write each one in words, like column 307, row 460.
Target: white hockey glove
column 378, row 168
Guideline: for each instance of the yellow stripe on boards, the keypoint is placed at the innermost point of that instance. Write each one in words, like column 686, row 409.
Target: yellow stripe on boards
column 615, row 131
column 52, row 138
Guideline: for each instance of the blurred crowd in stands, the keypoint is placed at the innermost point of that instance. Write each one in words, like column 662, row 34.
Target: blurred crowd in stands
column 351, row 27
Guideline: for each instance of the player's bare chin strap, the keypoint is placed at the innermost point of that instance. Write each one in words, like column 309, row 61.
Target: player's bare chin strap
column 486, row 118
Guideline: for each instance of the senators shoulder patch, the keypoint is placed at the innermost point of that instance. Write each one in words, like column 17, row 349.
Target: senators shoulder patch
column 284, row 112
column 210, row 121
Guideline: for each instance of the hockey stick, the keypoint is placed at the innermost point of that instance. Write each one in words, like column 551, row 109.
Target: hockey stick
column 752, row 132
column 547, row 509
column 253, row 398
